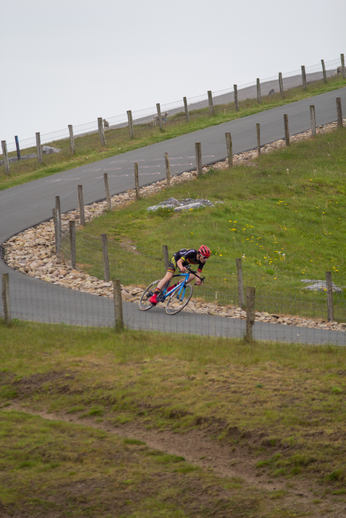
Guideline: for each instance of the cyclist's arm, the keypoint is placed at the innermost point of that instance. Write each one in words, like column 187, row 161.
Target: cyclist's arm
column 198, row 281
column 181, row 266
column 199, row 270
column 192, row 276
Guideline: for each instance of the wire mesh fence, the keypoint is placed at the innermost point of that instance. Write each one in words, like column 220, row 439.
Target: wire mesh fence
column 282, row 300
column 198, row 106
column 38, row 302
column 279, row 291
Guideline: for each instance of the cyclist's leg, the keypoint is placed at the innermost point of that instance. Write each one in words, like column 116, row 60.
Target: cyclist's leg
column 167, row 278
column 169, row 274
column 191, row 277
column 163, row 282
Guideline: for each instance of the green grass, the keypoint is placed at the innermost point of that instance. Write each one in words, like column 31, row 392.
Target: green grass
column 69, row 470
column 274, row 405
column 89, row 149
column 284, row 217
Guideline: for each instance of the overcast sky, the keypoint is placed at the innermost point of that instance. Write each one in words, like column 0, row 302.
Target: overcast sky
column 71, row 61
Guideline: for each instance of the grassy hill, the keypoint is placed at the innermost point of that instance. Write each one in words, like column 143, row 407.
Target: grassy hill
column 95, row 423
column 284, row 217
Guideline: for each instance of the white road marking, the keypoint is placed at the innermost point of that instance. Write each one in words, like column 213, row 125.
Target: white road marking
column 112, row 176
column 203, row 156
column 62, row 180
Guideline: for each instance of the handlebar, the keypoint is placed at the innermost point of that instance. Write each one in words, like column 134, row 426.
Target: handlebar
column 195, row 273
column 190, row 271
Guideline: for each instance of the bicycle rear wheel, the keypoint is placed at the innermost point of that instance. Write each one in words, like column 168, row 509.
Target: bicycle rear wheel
column 144, row 303
column 175, row 303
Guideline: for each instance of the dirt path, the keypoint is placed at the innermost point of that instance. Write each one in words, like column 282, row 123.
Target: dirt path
column 226, row 461
column 194, row 446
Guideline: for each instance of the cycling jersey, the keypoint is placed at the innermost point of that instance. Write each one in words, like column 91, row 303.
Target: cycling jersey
column 189, row 256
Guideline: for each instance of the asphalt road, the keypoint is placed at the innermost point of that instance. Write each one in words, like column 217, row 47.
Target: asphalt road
column 27, row 205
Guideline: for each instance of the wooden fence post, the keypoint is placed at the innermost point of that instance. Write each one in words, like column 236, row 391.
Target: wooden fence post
column 101, row 131
column 72, row 145
column 211, row 104
column 339, row 111
column 330, row 296
column 250, row 311
column 38, row 147
column 6, row 297
column 168, row 170
column 165, row 256
column 198, row 150
column 108, row 194
column 287, row 133
column 5, row 155
column 58, row 224
column 259, row 97
column 258, row 134
column 229, row 149
column 105, row 257
column 313, row 120
column 55, row 230
column 281, row 86
column 81, row 205
column 138, row 197
column 58, row 207
column 303, row 77
column 158, row 108
column 236, row 104
column 324, row 71
column 240, row 283
column 186, row 110
column 72, row 228
column 342, row 58
column 17, row 146
column 129, row 118
column 118, row 306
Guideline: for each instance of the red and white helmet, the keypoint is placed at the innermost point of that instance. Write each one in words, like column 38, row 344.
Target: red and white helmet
column 204, row 250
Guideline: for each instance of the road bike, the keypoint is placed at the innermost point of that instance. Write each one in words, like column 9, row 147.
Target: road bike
column 177, row 296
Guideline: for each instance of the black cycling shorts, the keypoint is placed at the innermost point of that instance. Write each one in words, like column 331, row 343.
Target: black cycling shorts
column 172, row 265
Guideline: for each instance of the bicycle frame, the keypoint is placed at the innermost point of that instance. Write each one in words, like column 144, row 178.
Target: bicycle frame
column 178, row 296
column 181, row 286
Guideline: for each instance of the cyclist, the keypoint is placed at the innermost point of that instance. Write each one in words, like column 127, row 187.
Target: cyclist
column 179, row 260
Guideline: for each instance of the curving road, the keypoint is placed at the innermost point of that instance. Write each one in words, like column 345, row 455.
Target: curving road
column 27, row 205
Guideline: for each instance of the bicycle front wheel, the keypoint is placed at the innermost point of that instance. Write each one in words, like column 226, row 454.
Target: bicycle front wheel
column 176, row 302
column 144, row 303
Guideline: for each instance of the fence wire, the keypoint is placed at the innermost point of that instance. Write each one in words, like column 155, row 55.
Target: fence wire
column 277, row 291
column 91, row 302
column 246, row 93
column 34, row 301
